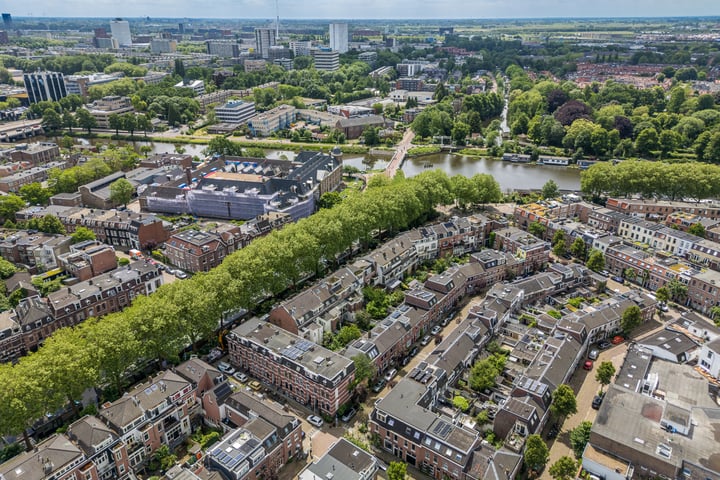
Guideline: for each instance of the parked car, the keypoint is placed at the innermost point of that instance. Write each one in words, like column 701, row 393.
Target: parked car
column 225, row 368
column 414, row 351
column 617, row 340
column 588, row 365
column 315, row 421
column 552, row 433
column 390, row 374
column 619, row 280
column 170, row 271
column 593, row 355
column 435, row 330
column 597, row 401
column 180, row 274
column 662, row 307
column 214, row 355
column 605, row 273
column 349, row 415
column 377, row 388
column 255, row 385
column 604, row 345
column 240, row 377
column 426, row 339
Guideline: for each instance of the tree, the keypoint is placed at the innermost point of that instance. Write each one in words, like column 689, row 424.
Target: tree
column 115, row 122
column 82, row 234
column 47, row 224
column 537, row 229
column 647, row 141
column 578, row 248
column 604, row 374
column 559, row 248
column 52, row 119
column 579, row 437
column 536, row 453
column 461, row 403
column 85, row 120
column 10, row 205
column 129, row 122
column 460, row 132
column 697, row 229
column 678, row 290
column 397, row 471
column 179, row 69
column 484, row 373
column 596, row 260
column 364, row 369
column 121, row 191
column 662, row 294
column 564, row 469
column 370, row 134
column 35, row 194
column 68, row 120
column 564, row 402
column 550, row 189
column 7, row 269
column 631, row 318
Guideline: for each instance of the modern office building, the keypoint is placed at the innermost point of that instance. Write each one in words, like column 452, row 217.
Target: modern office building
column 264, row 39
column 235, row 112
column 163, row 45
column 120, row 30
column 339, row 37
column 326, row 59
column 42, row 86
column 7, row 20
column 301, row 48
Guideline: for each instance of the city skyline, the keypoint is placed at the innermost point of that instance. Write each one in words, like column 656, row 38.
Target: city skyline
column 372, row 9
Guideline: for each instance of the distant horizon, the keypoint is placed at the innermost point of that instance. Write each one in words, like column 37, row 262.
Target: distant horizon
column 367, row 10
column 339, row 19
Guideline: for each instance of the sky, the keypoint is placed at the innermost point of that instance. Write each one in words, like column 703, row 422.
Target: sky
column 364, row 9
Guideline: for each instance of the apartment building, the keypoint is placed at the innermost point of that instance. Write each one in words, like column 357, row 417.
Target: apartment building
column 246, row 410
column 35, row 153
column 152, row 414
column 211, row 390
column 102, row 109
column 223, row 48
column 196, row 251
column 297, row 368
column 104, row 294
column 327, row 304
column 163, row 45
column 24, row 328
column 88, row 259
column 121, row 229
column 391, row 261
column 159, row 160
column 264, row 39
column 325, row 59
column 279, row 118
column 56, row 457
column 38, row 251
column 532, row 250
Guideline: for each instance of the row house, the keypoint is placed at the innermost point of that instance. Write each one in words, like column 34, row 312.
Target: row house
column 152, row 414
column 102, row 447
column 88, row 259
column 327, row 303
column 294, row 366
column 497, row 266
column 244, row 408
column 605, row 219
column 248, row 452
column 409, row 425
column 104, row 294
column 705, row 253
column 603, row 320
column 12, row 183
column 38, row 251
column 392, row 261
column 704, row 291
column 658, row 210
column 23, row 328
column 35, row 153
column 458, row 236
column 57, row 458
column 344, row 460
column 196, row 251
column 683, row 221
column 210, row 386
column 122, row 229
column 544, row 212
column 657, row 236
column 533, row 251
column 501, row 301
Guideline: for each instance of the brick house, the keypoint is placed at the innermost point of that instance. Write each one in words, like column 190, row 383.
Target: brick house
column 293, row 366
column 88, row 259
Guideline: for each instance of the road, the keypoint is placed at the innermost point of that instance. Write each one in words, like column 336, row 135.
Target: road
column 585, row 385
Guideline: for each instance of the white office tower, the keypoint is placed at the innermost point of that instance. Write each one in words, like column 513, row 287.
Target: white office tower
column 120, row 30
column 264, row 39
column 339, row 37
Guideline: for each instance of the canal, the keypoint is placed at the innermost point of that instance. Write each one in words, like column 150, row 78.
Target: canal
column 509, row 175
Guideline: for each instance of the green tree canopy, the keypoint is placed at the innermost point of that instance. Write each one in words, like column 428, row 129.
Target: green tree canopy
column 604, row 373
column 550, row 189
column 121, row 191
column 564, row 469
column 631, row 319
column 536, row 453
column 564, row 402
column 397, row 471
column 596, row 260
column 579, row 437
